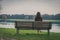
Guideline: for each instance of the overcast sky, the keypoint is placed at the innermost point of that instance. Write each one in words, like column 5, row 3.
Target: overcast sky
column 30, row 6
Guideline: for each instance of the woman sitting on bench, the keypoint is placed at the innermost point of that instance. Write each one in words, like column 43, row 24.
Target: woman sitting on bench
column 38, row 18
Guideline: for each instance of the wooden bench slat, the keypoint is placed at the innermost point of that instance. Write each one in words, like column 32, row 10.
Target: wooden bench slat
column 36, row 25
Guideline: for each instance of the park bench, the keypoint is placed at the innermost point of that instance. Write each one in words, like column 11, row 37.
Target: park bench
column 35, row 25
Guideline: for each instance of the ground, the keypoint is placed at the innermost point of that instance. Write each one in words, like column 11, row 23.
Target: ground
column 10, row 34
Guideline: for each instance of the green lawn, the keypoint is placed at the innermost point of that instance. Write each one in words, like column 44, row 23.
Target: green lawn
column 10, row 34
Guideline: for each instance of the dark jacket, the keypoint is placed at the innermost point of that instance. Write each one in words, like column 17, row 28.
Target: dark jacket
column 38, row 17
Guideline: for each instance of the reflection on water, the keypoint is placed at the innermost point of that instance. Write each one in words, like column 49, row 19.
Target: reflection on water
column 7, row 25
column 58, row 24
column 55, row 27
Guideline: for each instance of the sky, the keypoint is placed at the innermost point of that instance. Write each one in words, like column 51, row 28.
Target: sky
column 30, row 7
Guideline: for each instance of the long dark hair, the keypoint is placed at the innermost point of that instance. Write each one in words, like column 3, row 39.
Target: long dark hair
column 38, row 14
column 38, row 17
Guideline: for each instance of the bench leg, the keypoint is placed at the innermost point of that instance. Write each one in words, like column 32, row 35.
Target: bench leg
column 17, row 32
column 48, row 32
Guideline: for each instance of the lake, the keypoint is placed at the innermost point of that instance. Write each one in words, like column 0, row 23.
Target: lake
column 55, row 27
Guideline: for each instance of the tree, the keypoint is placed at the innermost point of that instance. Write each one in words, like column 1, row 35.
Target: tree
column 4, row 17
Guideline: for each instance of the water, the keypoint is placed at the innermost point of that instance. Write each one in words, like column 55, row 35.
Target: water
column 7, row 25
column 55, row 27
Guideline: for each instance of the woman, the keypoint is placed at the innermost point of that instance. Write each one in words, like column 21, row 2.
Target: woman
column 38, row 19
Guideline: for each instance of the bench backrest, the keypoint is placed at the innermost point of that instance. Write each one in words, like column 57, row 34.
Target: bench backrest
column 23, row 25
column 32, row 25
column 42, row 25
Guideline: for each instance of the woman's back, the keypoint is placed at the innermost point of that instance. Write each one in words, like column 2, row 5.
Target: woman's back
column 38, row 17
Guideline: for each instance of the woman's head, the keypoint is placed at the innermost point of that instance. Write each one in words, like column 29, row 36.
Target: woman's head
column 38, row 17
column 38, row 14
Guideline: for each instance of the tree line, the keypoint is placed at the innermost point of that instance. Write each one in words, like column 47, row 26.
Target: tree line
column 22, row 16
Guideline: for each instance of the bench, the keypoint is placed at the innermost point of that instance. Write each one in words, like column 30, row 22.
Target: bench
column 35, row 25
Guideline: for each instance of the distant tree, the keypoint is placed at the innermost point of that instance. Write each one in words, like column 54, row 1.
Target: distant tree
column 52, row 17
column 4, row 17
column 57, row 17
column 45, row 16
column 26, row 17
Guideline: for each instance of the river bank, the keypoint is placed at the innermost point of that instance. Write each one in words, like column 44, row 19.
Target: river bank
column 55, row 27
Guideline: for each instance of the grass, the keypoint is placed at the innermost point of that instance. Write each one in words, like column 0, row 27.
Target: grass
column 7, row 33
